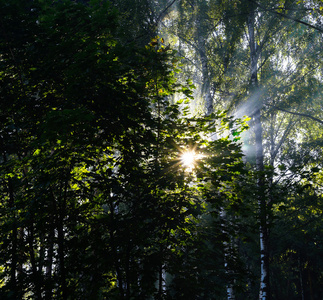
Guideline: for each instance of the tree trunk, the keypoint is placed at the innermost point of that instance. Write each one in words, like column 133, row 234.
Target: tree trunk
column 61, row 239
column 206, row 82
column 264, row 293
column 201, row 38
column 300, row 268
column 230, row 293
column 36, row 278
column 14, row 241
column 49, row 263
column 160, row 282
column 114, row 247
column 13, row 237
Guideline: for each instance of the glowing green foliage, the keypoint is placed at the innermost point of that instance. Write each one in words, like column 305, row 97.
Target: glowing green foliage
column 95, row 202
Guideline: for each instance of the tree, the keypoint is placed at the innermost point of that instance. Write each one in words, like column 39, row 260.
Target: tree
column 96, row 202
column 273, row 80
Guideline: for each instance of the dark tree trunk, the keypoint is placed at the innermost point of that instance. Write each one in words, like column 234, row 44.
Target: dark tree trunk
column 49, row 264
column 14, row 242
column 35, row 272
column 61, row 239
column 13, row 237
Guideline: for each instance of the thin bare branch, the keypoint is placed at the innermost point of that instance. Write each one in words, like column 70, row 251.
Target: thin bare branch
column 297, row 114
column 164, row 12
column 288, row 17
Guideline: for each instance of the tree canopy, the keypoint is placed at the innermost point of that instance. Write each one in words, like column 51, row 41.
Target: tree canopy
column 99, row 103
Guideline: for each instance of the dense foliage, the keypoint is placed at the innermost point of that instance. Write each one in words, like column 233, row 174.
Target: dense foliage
column 95, row 200
column 264, row 59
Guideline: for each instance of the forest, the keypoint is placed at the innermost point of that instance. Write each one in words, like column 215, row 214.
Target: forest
column 161, row 149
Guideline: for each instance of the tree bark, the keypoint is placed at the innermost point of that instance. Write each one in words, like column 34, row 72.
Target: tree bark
column 201, row 38
column 264, row 291
column 49, row 263
column 160, row 281
column 13, row 237
column 49, row 237
column 61, row 238
column 14, row 242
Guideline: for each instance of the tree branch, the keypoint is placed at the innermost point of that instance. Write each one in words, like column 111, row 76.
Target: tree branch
column 164, row 12
column 289, row 17
column 297, row 114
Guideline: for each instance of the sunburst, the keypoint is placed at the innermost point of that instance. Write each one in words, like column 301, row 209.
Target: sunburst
column 188, row 159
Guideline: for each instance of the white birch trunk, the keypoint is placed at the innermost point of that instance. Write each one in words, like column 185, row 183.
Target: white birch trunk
column 262, row 203
column 206, row 91
column 230, row 293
